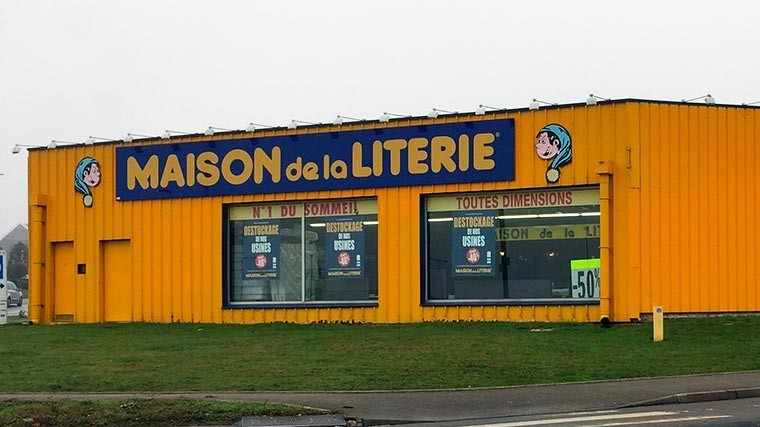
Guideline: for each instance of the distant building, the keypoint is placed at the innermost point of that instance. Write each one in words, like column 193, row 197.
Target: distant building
column 19, row 233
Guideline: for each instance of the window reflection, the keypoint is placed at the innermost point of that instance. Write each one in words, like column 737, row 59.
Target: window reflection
column 323, row 251
column 547, row 252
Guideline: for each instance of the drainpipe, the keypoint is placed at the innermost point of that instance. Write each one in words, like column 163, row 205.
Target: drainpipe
column 36, row 259
column 605, row 251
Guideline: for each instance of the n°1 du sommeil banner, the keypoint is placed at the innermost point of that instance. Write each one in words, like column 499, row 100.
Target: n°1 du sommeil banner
column 478, row 151
column 473, row 243
column 261, row 249
column 345, row 247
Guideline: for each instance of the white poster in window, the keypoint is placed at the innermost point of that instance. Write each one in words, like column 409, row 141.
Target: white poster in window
column 585, row 278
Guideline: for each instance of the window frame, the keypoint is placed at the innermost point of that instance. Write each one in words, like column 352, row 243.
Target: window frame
column 227, row 264
column 426, row 301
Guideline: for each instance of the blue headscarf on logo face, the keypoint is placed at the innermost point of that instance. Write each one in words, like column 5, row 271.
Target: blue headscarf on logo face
column 565, row 154
column 79, row 183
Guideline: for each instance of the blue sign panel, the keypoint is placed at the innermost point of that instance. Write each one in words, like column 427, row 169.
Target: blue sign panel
column 2, row 270
column 478, row 151
column 345, row 247
column 473, row 243
column 261, row 249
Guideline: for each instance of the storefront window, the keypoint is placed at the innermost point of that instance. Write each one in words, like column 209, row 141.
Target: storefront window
column 513, row 246
column 311, row 252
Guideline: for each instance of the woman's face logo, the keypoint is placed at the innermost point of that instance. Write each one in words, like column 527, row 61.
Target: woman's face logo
column 91, row 177
column 545, row 148
column 553, row 143
column 86, row 176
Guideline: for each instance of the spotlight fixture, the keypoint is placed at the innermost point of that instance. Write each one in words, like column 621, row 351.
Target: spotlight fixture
column 536, row 104
column 386, row 117
column 55, row 143
column 709, row 100
column 294, row 123
column 593, row 99
column 252, row 126
column 211, row 130
column 168, row 133
column 339, row 119
column 17, row 148
column 131, row 137
column 433, row 114
column 481, row 110
column 91, row 139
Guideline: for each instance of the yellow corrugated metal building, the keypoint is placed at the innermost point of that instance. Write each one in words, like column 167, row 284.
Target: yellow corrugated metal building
column 459, row 217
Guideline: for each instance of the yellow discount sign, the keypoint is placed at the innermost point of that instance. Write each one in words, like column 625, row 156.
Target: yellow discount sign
column 585, row 278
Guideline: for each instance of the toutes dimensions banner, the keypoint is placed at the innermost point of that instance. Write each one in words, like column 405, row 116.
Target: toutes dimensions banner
column 479, row 151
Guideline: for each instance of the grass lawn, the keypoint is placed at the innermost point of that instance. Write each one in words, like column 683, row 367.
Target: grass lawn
column 187, row 357
column 13, row 320
column 127, row 413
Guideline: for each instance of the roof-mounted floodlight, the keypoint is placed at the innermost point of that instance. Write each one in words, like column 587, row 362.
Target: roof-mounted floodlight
column 17, row 148
column 55, row 143
column 252, row 126
column 593, row 99
column 386, row 117
column 481, row 110
column 294, row 123
column 340, row 119
column 91, row 139
column 537, row 103
column 168, row 133
column 131, row 137
column 211, row 130
column 433, row 114
column 709, row 100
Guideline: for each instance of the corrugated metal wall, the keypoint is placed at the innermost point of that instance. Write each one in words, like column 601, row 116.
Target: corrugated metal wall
column 683, row 202
column 700, row 185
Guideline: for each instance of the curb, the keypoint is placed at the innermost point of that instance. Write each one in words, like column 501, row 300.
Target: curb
column 211, row 394
column 334, row 420
column 702, row 396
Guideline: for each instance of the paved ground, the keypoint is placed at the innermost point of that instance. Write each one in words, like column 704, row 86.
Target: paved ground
column 724, row 413
column 422, row 406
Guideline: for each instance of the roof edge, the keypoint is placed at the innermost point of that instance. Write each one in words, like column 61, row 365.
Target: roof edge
column 423, row 117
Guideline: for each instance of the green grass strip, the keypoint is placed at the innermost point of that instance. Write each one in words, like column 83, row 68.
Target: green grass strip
column 188, row 357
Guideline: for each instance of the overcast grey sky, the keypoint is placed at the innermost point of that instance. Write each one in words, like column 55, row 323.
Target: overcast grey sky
column 70, row 69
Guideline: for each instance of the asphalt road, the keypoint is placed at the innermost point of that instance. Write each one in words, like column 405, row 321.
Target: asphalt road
column 724, row 413
column 13, row 311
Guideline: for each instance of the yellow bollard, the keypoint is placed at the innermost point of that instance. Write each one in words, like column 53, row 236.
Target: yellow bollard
column 658, row 327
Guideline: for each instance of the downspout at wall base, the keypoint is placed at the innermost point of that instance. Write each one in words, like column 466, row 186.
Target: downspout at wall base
column 605, row 251
column 37, row 259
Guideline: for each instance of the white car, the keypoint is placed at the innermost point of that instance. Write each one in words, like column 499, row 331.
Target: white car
column 14, row 294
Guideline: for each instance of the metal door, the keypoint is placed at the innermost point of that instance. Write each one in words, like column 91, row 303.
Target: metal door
column 117, row 280
column 64, row 281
